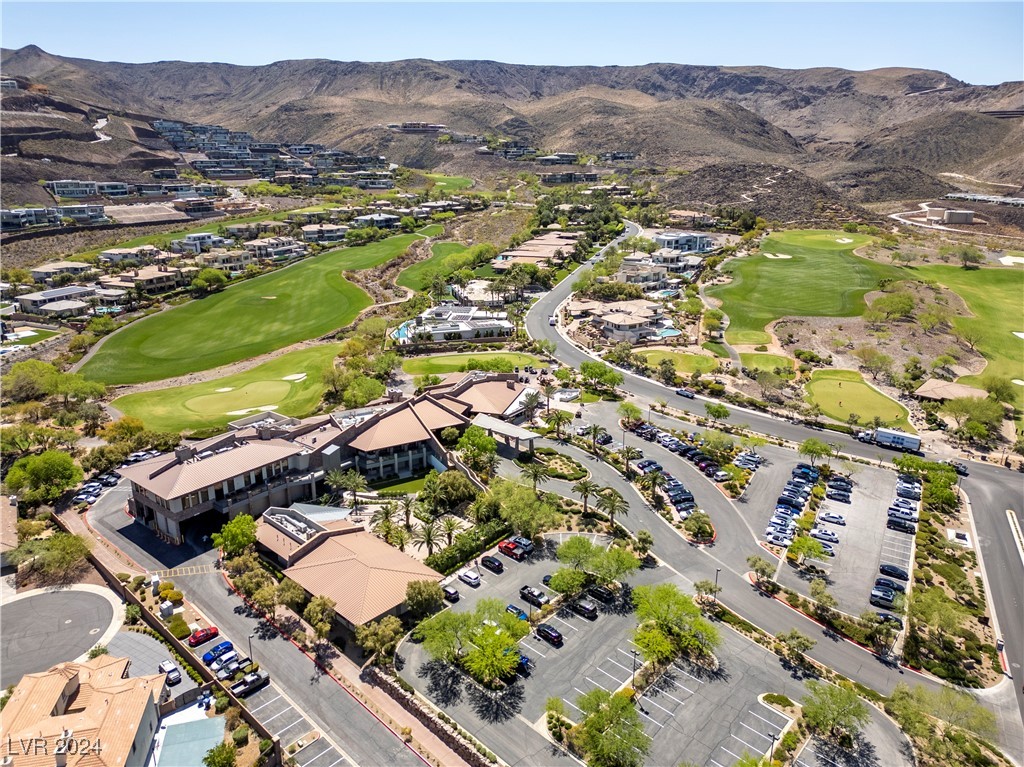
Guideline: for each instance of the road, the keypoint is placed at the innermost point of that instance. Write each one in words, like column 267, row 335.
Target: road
column 993, row 491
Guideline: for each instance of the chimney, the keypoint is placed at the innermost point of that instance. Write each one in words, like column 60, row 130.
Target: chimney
column 183, row 453
column 510, row 384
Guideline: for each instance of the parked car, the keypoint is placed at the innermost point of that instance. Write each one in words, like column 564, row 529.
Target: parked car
column 173, row 673
column 889, row 583
column 533, row 596
column 451, row 594
column 585, row 607
column 199, row 636
column 882, row 597
column 546, row 579
column 829, row 516
column 87, row 498
column 493, row 564
column 894, row 571
column 470, row 578
column 226, row 672
column 838, row 495
column 216, row 652
column 905, row 503
column 224, row 660
column 840, row 484
column 901, row 526
column 777, row 538
column 549, row 633
column 108, row 480
column 712, row 469
column 688, row 393
column 828, row 549
column 891, row 618
column 602, row 593
column 510, row 549
column 824, row 534
column 522, row 542
column 517, row 611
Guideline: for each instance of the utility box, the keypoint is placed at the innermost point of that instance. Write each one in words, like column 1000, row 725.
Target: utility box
column 154, row 583
column 166, row 609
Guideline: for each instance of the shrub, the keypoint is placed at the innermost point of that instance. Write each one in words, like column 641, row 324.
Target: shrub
column 97, row 651
column 778, row 700
column 177, row 626
column 240, row 736
column 132, row 614
column 468, row 545
column 138, row 582
column 172, row 595
column 233, row 717
column 123, row 577
column 165, row 586
column 266, row 744
column 221, row 703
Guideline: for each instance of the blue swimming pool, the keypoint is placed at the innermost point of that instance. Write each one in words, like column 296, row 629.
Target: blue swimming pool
column 669, row 332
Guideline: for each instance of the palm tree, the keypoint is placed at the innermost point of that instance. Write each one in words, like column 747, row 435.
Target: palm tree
column 355, row 482
column 399, row 537
column 530, row 404
column 449, row 527
column 549, row 390
column 426, row 534
column 584, row 489
column 611, row 502
column 593, row 432
column 408, row 506
column 557, row 419
column 336, row 480
column 382, row 522
column 431, row 495
column 536, row 472
column 652, row 483
column 629, row 454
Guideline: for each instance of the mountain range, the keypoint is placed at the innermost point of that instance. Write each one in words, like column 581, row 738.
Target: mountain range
column 837, row 126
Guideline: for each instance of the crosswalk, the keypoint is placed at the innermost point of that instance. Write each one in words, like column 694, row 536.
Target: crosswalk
column 187, row 570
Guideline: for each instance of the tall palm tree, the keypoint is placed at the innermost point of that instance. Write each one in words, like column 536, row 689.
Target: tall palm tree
column 355, row 482
column 593, row 432
column 400, row 538
column 530, row 404
column 408, row 503
column 336, row 480
column 557, row 419
column 629, row 454
column 449, row 527
column 611, row 502
column 431, row 495
column 652, row 483
column 549, row 391
column 584, row 489
column 536, row 472
column 427, row 534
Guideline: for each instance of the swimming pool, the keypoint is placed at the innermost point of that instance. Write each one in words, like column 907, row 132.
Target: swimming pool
column 669, row 332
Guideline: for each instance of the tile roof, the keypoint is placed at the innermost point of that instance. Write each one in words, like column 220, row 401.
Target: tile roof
column 397, row 427
column 491, row 397
column 362, row 574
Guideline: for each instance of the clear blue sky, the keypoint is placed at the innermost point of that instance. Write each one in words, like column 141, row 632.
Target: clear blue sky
column 978, row 42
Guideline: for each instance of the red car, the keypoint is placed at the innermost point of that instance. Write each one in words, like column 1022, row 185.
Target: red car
column 203, row 635
column 511, row 549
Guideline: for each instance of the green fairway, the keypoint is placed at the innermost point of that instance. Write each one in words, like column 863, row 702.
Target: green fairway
column 431, row 230
column 449, row 183
column 841, row 392
column 685, row 363
column 767, row 362
column 415, row 276
column 455, row 363
column 996, row 298
column 821, row 278
column 214, row 403
column 302, row 301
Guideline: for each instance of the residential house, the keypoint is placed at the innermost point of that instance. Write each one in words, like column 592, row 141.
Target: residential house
column 645, row 274
column 46, row 272
column 616, row 156
column 569, row 177
column 93, row 702
column 72, row 188
column 68, row 299
column 629, row 321
column 324, row 233
column 230, row 260
column 20, row 218
column 83, row 214
column 197, row 242
column 559, row 158
column 276, row 248
column 684, row 241
column 142, row 254
column 155, row 278
column 114, row 189
column 194, row 206
column 453, row 323
column 379, row 220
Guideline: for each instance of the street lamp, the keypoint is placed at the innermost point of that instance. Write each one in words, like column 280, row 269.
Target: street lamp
column 250, row 645
column 772, row 752
column 632, row 681
column 717, row 571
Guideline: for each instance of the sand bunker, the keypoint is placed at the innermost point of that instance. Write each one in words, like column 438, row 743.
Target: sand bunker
column 268, row 298
column 776, row 255
column 1011, row 260
column 225, row 388
column 844, row 240
column 295, row 377
column 248, row 410
column 1018, row 382
column 1019, row 335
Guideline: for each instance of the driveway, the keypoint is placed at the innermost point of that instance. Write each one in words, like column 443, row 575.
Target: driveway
column 147, row 654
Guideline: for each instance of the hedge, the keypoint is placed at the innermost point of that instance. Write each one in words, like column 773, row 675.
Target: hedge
column 468, row 545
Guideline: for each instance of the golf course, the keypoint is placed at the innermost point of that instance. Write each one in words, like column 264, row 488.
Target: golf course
column 291, row 384
column 296, row 303
column 808, row 273
column 415, row 276
column 455, row 363
column 685, row 363
column 841, row 392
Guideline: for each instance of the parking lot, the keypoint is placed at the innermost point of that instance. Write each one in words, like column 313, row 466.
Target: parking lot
column 279, row 716
column 147, row 654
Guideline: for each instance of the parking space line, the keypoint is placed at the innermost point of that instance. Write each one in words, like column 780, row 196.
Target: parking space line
column 596, row 684
column 756, row 732
column 769, row 722
column 669, row 695
column 560, row 620
column 609, row 675
column 742, row 741
column 325, row 751
column 254, row 710
column 715, row 763
column 285, row 729
column 337, row 762
column 612, row 660
column 573, row 704
column 647, row 717
column 648, row 699
column 730, row 753
column 275, row 716
column 680, row 668
column 532, row 647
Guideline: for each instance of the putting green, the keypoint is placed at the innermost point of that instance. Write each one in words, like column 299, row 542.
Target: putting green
column 841, row 392
column 455, row 363
column 449, row 183
column 685, row 363
column 291, row 384
column 821, row 278
column 768, row 362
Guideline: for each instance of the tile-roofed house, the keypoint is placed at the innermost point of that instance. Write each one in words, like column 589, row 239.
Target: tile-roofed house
column 96, row 702
column 497, row 394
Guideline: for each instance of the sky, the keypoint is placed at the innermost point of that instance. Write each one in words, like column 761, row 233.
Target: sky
column 977, row 42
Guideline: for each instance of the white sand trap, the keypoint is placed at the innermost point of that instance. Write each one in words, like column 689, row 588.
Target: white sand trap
column 268, row 298
column 1018, row 334
column 776, row 255
column 1012, row 260
column 224, row 389
column 295, row 377
column 1018, row 382
column 248, row 410
column 844, row 240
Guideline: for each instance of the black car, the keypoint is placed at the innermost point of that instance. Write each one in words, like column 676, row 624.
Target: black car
column 889, row 583
column 451, row 594
column 711, row 469
column 492, row 564
column 585, row 607
column 698, row 457
column 687, row 450
column 549, row 633
column 840, row 484
column 603, row 593
column 902, row 526
column 894, row 572
column 533, row 596
column 891, row 618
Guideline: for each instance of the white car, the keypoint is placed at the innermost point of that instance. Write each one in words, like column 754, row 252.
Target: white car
column 828, row 549
column 470, row 578
column 778, row 539
column 87, row 498
column 823, row 534
column 831, row 516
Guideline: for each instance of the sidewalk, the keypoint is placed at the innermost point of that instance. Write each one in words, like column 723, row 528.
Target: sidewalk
column 115, row 560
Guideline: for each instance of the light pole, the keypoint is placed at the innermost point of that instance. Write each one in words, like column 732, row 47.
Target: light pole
column 771, row 753
column 717, row 571
column 632, row 681
column 650, row 410
column 250, row 646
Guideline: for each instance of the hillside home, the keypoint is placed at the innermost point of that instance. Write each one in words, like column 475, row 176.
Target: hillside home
column 684, row 241
column 46, row 272
column 276, row 248
column 379, row 220
column 72, row 188
column 230, row 260
column 143, row 254
column 324, row 233
column 40, row 302
column 629, row 321
column 20, row 218
column 83, row 214
column 453, row 323
column 197, row 242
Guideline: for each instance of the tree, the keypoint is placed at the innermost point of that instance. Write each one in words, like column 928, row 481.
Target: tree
column 449, row 527
column 361, row 390
column 667, row 372
column 706, row 588
column 567, row 581
column 962, row 710
column 548, row 390
column 446, row 635
column 236, row 535
column 475, row 446
column 586, row 488
column 611, row 502
column 221, row 755
column 556, row 419
column 900, row 305
column 629, row 454
column 493, row 655
column 427, row 534
column 652, row 482
column 969, row 335
column 940, row 614
column 820, row 594
column 762, row 568
column 536, row 473
column 630, row 413
column 209, row 281
column 999, row 388
column 655, row 645
column 611, row 733
column 531, row 403
column 290, row 594
column 968, row 255
column 577, row 552
column 355, row 482
column 699, row 526
column 644, row 543
column 830, row 709
column 814, row 449
column 319, row 614
column 613, row 564
column 796, row 644
column 45, row 477
column 599, row 374
column 804, row 547
column 60, row 555
column 380, row 638
column 716, row 412
column 594, row 432
column 399, row 538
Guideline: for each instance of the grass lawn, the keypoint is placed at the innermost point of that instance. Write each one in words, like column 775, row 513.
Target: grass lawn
column 994, row 296
column 431, row 230
column 212, row 404
column 408, row 485
column 822, row 278
column 841, row 392
column 587, row 397
column 685, row 363
column 767, row 362
column 455, row 363
column 40, row 335
column 486, row 272
column 256, row 316
column 449, row 183
column 415, row 276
